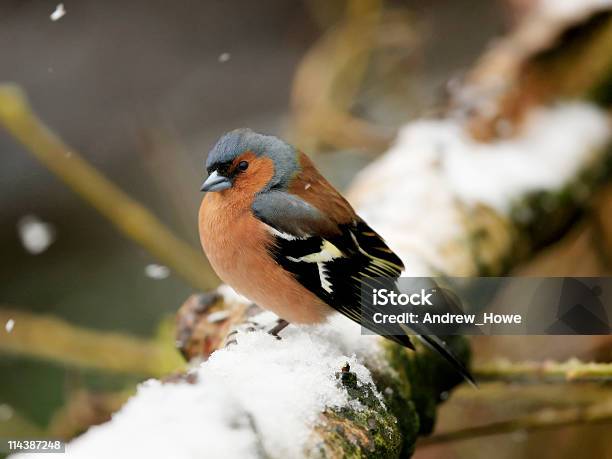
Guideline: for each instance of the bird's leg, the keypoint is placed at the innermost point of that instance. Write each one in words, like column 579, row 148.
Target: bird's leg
column 280, row 325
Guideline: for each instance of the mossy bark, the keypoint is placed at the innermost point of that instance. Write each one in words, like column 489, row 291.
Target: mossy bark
column 388, row 427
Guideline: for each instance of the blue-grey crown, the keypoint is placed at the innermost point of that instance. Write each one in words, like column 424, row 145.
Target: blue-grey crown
column 236, row 142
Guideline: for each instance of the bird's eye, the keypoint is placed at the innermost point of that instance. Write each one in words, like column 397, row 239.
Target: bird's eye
column 243, row 166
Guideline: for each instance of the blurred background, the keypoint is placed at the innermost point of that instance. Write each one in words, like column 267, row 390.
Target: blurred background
column 141, row 90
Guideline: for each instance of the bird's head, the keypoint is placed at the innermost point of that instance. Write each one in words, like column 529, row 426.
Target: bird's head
column 250, row 162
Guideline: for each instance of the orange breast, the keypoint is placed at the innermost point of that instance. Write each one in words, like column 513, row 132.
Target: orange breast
column 235, row 243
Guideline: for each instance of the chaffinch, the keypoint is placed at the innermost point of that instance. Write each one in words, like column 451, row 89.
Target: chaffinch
column 280, row 234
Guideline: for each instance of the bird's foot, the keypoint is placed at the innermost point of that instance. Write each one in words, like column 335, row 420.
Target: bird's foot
column 246, row 327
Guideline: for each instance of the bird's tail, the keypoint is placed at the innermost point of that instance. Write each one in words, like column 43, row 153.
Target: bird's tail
column 404, row 333
column 435, row 343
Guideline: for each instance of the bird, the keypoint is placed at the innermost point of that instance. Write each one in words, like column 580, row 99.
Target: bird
column 276, row 231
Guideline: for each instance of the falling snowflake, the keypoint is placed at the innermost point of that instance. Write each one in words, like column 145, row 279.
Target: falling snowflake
column 224, row 57
column 59, row 12
column 35, row 235
column 6, row 412
column 157, row 271
column 9, row 325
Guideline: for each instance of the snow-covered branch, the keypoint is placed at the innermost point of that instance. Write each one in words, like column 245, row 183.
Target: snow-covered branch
column 447, row 203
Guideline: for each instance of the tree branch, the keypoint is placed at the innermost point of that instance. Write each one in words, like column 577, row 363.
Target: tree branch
column 54, row 339
column 600, row 413
column 572, row 370
column 129, row 217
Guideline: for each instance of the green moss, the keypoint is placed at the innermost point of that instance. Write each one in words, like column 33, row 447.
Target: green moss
column 602, row 92
column 370, row 430
column 543, row 217
column 389, row 427
column 422, row 378
column 397, row 392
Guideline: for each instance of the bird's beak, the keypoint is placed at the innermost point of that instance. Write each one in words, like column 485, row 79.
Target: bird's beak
column 216, row 182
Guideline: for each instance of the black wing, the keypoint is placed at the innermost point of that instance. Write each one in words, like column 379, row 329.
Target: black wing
column 333, row 261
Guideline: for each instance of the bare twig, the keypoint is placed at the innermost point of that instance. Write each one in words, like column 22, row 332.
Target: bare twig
column 572, row 370
column 331, row 73
column 517, row 398
column 130, row 217
column 545, row 419
column 57, row 340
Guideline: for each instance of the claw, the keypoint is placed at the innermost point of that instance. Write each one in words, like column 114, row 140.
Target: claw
column 230, row 342
column 248, row 326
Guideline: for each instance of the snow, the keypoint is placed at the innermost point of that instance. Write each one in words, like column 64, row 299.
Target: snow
column 554, row 146
column 10, row 324
column 258, row 397
column 35, row 235
column 6, row 412
column 58, row 13
column 436, row 170
column 157, row 272
column 224, row 57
